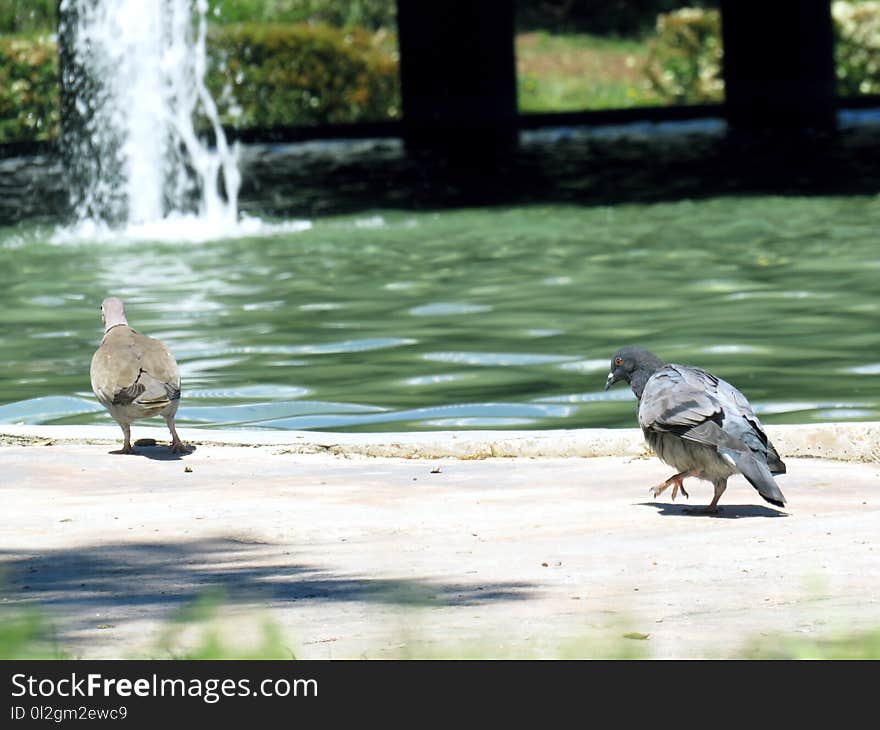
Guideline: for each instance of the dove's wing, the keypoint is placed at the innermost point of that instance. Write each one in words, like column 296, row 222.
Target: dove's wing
column 131, row 369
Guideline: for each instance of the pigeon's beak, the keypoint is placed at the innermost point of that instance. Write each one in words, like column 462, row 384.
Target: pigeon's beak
column 611, row 380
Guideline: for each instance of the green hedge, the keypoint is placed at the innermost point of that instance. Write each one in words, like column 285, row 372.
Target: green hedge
column 275, row 75
column 263, row 76
column 684, row 64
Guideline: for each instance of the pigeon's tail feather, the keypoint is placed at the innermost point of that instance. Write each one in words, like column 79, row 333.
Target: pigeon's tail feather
column 760, row 477
column 774, row 463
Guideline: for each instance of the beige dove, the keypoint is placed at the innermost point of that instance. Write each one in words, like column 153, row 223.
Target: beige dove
column 134, row 376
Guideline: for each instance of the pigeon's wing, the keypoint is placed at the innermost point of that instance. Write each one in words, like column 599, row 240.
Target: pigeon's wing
column 741, row 406
column 684, row 401
column 699, row 407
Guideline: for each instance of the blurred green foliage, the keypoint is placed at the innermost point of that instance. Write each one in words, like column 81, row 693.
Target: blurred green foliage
column 370, row 14
column 303, row 73
column 684, row 60
column 625, row 18
column 857, row 47
column 263, row 76
column 26, row 635
column 29, row 98
column 201, row 630
column 302, row 62
column 27, row 16
column 572, row 72
column 853, row 645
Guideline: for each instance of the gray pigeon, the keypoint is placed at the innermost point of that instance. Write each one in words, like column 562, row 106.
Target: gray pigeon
column 699, row 424
column 134, row 376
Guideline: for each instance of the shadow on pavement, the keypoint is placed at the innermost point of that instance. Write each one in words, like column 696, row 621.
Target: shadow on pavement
column 727, row 511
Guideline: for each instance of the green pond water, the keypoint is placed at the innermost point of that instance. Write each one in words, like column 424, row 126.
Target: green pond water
column 483, row 318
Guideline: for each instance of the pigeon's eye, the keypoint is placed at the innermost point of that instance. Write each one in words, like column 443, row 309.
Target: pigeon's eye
column 618, row 361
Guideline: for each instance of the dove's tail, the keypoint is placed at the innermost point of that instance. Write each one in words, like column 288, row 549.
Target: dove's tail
column 759, row 475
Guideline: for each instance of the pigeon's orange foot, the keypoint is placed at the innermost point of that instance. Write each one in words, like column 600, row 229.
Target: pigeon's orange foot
column 707, row 510
column 127, row 449
column 677, row 484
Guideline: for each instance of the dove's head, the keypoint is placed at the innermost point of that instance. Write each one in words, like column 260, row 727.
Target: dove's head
column 112, row 313
column 633, row 365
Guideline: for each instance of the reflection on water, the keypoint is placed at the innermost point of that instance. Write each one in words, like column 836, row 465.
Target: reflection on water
column 497, row 318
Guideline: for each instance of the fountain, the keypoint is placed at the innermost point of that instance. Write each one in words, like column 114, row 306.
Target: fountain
column 135, row 103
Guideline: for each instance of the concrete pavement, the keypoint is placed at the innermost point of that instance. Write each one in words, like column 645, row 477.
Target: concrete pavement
column 444, row 553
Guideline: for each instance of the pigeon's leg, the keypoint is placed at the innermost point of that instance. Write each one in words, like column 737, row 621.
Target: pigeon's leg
column 177, row 446
column 719, row 490
column 126, row 447
column 712, row 507
column 675, row 481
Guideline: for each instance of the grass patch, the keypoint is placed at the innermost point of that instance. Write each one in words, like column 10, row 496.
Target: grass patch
column 26, row 635
column 200, row 630
column 856, row 645
column 195, row 632
column 576, row 71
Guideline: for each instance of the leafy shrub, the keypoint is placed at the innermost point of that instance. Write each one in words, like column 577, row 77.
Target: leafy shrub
column 684, row 61
column 857, row 38
column 29, row 96
column 274, row 75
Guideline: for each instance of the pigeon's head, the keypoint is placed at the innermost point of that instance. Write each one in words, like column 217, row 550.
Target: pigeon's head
column 633, row 365
column 112, row 313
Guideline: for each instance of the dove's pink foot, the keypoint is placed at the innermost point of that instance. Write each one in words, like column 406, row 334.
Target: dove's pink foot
column 126, row 446
column 177, row 446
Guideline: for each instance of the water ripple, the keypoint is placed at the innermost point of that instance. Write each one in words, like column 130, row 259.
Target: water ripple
column 267, row 412
column 47, row 408
column 872, row 369
column 617, row 394
column 249, row 391
column 446, row 309
column 497, row 412
column 586, row 366
column 328, row 348
column 490, row 359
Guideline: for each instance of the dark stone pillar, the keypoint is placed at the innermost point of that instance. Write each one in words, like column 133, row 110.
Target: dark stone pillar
column 458, row 76
column 778, row 64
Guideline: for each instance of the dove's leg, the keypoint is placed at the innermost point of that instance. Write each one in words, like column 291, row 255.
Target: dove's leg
column 675, row 481
column 126, row 447
column 177, row 446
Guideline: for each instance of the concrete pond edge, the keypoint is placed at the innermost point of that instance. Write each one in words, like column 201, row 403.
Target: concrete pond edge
column 856, row 442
